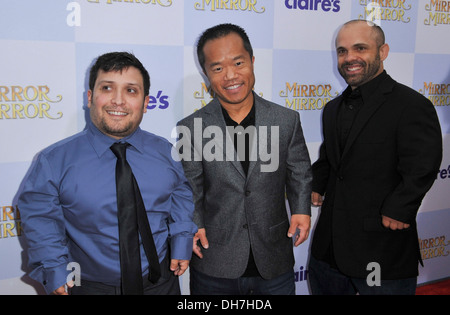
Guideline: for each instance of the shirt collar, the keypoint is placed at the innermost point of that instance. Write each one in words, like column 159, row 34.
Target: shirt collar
column 102, row 143
column 367, row 88
column 249, row 120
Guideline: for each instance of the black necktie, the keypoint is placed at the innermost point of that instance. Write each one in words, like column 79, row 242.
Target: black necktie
column 133, row 221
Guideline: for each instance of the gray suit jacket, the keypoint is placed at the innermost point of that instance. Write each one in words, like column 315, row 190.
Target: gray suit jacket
column 239, row 211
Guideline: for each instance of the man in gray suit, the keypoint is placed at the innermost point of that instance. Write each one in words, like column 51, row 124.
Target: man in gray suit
column 242, row 155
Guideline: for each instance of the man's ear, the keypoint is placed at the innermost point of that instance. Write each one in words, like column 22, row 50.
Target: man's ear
column 89, row 96
column 146, row 101
column 384, row 52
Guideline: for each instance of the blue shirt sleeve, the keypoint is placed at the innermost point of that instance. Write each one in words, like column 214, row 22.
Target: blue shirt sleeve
column 43, row 224
column 181, row 225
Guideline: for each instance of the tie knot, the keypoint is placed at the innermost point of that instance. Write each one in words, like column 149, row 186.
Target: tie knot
column 120, row 149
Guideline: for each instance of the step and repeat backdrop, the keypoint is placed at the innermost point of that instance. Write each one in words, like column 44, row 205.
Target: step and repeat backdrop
column 47, row 47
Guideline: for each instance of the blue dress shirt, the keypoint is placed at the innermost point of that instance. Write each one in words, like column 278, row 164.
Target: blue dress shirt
column 69, row 209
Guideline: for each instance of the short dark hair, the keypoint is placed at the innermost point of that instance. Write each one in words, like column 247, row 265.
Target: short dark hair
column 219, row 31
column 380, row 37
column 118, row 61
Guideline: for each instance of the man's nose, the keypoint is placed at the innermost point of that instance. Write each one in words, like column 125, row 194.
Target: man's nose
column 118, row 98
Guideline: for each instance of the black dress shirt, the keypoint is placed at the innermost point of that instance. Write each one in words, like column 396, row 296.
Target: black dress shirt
column 249, row 120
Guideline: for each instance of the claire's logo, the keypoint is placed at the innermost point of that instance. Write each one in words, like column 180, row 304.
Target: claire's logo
column 159, row 101
column 314, row 5
column 444, row 173
column 301, row 274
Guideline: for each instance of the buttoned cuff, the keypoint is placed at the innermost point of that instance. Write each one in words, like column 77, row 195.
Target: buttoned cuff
column 181, row 247
column 51, row 278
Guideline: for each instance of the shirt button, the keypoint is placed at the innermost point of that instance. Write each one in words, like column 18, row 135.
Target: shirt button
column 247, row 193
column 245, row 226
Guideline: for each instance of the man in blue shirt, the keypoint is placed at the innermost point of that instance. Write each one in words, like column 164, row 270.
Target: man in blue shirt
column 69, row 205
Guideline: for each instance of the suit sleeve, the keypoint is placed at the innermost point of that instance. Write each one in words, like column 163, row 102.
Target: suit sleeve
column 193, row 167
column 419, row 143
column 321, row 170
column 299, row 176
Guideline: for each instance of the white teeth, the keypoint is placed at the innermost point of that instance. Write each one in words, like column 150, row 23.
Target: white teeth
column 353, row 69
column 232, row 87
column 118, row 113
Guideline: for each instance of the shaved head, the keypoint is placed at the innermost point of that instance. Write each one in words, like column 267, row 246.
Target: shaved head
column 378, row 33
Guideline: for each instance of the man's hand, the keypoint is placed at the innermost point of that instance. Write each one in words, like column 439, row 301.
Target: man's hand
column 178, row 266
column 316, row 199
column 301, row 222
column 200, row 235
column 393, row 224
column 62, row 290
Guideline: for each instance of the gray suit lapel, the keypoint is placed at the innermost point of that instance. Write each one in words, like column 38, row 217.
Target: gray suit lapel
column 215, row 118
column 262, row 120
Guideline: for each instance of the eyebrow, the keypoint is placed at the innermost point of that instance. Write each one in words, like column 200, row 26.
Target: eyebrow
column 354, row 45
column 239, row 57
column 219, row 62
column 109, row 82
column 212, row 65
column 360, row 44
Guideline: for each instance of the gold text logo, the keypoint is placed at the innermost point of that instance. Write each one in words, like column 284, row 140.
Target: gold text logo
column 307, row 97
column 385, row 10
column 10, row 224
column 434, row 247
column 205, row 95
column 234, row 5
column 22, row 102
column 438, row 12
column 438, row 94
